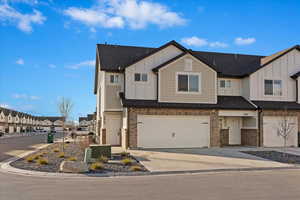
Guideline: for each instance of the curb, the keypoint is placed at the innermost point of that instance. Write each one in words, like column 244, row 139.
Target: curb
column 7, row 168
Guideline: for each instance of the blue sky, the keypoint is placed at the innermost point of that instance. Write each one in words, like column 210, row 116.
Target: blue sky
column 47, row 47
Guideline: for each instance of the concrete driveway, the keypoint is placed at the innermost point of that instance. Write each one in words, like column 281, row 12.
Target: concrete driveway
column 202, row 159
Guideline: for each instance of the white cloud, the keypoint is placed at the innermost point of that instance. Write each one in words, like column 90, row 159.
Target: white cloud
column 87, row 63
column 20, row 61
column 25, row 97
column 24, row 22
column 93, row 18
column 194, row 41
column 52, row 66
column 200, row 42
column 31, row 2
column 218, row 44
column 4, row 105
column 244, row 41
column 136, row 14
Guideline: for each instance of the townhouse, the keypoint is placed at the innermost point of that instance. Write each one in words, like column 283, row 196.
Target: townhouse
column 88, row 123
column 12, row 121
column 173, row 97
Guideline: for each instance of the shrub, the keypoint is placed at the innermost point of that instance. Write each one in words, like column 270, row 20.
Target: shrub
column 135, row 168
column 56, row 150
column 72, row 159
column 30, row 159
column 44, row 153
column 61, row 155
column 124, row 154
column 97, row 166
column 103, row 159
column 42, row 161
column 35, row 157
column 127, row 161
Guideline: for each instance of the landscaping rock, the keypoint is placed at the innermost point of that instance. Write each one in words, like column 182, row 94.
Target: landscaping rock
column 73, row 167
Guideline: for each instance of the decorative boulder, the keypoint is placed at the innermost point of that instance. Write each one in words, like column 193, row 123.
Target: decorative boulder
column 73, row 167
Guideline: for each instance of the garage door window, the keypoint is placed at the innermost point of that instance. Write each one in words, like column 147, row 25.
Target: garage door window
column 188, row 83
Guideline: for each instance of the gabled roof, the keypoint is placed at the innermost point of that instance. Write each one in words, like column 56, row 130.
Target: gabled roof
column 296, row 75
column 115, row 58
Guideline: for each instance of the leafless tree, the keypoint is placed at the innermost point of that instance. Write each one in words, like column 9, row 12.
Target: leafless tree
column 285, row 128
column 65, row 107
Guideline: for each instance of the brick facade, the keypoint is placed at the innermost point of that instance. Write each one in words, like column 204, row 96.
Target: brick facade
column 249, row 137
column 274, row 113
column 132, row 121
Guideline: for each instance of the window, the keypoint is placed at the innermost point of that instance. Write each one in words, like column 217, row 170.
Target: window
column 114, row 78
column 225, row 83
column 140, row 77
column 188, row 83
column 273, row 87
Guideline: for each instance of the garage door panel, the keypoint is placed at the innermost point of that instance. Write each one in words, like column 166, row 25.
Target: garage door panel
column 173, row 131
column 270, row 132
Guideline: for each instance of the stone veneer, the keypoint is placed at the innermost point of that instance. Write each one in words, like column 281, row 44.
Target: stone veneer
column 274, row 113
column 249, row 137
column 224, row 137
column 132, row 121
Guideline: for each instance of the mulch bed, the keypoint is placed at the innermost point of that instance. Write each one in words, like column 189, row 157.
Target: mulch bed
column 73, row 150
column 276, row 156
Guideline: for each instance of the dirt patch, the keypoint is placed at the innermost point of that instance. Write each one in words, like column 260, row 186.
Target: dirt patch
column 52, row 155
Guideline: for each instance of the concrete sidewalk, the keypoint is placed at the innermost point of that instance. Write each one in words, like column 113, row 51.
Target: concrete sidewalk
column 202, row 159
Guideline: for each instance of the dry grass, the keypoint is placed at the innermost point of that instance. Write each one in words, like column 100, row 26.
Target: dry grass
column 135, row 168
column 72, row 159
column 97, row 166
column 30, row 159
column 42, row 161
column 127, row 161
column 61, row 155
column 103, row 159
column 56, row 150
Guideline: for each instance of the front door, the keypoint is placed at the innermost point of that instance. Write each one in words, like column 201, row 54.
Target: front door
column 113, row 130
column 234, row 126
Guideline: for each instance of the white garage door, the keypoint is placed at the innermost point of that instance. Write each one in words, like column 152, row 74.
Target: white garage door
column 162, row 131
column 270, row 132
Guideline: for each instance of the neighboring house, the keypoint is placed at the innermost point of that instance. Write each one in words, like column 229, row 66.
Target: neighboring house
column 12, row 121
column 173, row 97
column 88, row 123
column 51, row 123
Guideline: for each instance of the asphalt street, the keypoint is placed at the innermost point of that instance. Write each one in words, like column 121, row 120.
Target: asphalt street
column 258, row 185
column 20, row 143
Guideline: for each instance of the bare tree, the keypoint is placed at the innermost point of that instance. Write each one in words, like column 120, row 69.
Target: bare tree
column 285, row 128
column 65, row 106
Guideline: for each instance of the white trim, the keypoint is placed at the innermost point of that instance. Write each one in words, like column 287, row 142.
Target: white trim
column 189, row 73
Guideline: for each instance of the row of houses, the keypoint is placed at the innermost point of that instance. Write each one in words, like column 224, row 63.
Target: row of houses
column 12, row 121
column 88, row 123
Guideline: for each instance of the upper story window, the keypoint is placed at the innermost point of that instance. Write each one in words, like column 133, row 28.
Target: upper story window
column 140, row 77
column 188, row 82
column 225, row 83
column 114, row 78
column 273, row 87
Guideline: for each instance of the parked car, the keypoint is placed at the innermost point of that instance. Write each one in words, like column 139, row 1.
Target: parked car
column 1, row 134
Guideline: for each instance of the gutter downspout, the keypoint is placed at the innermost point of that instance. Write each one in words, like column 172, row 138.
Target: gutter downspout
column 259, row 127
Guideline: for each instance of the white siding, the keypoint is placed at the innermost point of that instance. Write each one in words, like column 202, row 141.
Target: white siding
column 280, row 69
column 147, row 90
column 234, row 90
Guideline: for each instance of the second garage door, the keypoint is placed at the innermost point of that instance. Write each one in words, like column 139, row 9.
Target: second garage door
column 167, row 131
column 270, row 129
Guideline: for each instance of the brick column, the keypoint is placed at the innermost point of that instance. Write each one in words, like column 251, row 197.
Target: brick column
column 103, row 136
column 215, row 140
